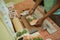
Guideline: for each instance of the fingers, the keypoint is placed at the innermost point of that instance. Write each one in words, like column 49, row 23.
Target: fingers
column 38, row 25
column 30, row 12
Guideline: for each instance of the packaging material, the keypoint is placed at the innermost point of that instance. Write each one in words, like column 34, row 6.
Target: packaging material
column 50, row 28
column 17, row 24
column 32, row 19
column 27, row 25
column 5, row 17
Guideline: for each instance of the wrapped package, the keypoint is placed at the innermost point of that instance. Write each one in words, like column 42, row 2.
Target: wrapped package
column 17, row 24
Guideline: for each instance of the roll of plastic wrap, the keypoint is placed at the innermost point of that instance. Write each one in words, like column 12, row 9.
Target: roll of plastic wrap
column 17, row 24
column 5, row 16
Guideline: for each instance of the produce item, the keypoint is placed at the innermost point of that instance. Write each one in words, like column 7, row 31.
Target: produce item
column 24, row 31
column 31, row 19
column 21, row 33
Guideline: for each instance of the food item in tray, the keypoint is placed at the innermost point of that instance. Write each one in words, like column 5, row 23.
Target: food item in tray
column 37, row 39
column 32, row 38
column 26, row 38
column 35, row 36
column 24, row 31
column 31, row 19
column 33, row 22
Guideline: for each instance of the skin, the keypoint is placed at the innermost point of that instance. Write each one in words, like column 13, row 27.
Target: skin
column 40, row 21
column 35, row 6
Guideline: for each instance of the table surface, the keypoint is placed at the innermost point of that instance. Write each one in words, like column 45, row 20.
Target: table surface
column 45, row 34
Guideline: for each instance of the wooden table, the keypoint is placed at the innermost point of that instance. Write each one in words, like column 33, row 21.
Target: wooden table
column 45, row 34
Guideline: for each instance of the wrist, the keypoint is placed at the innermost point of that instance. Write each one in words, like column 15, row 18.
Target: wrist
column 43, row 18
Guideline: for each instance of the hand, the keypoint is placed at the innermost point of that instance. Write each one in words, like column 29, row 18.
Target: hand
column 39, row 22
column 31, row 11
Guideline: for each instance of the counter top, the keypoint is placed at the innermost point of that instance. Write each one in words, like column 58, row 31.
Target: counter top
column 20, row 7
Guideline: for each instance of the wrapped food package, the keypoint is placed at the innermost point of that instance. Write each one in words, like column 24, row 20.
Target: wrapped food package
column 17, row 24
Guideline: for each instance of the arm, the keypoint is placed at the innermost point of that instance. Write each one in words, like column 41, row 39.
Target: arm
column 52, row 10
column 40, row 21
column 35, row 6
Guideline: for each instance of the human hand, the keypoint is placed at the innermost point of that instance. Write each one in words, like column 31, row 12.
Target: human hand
column 39, row 22
column 31, row 11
